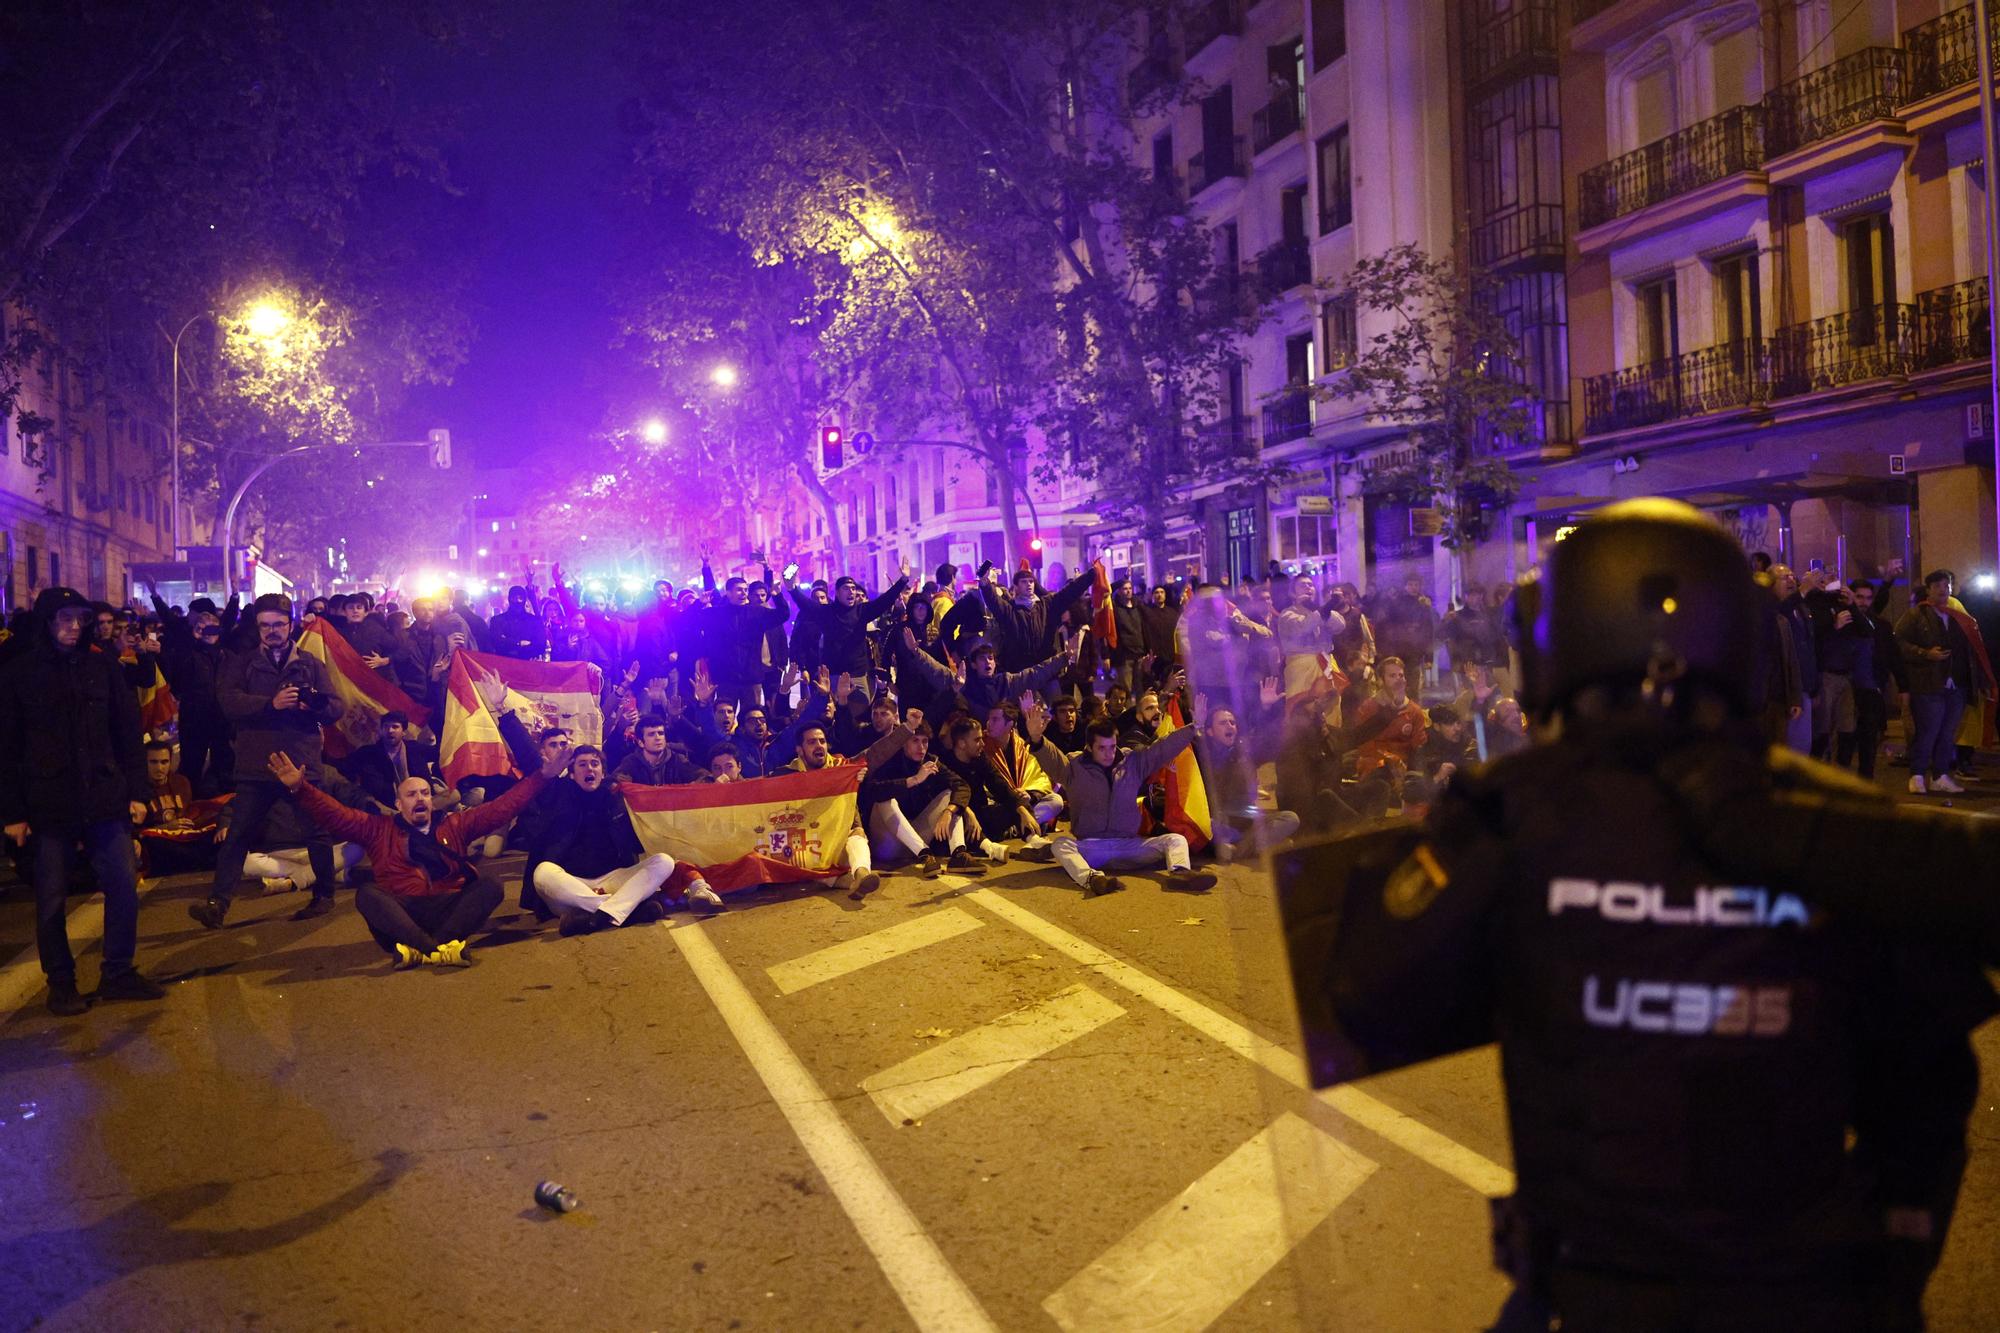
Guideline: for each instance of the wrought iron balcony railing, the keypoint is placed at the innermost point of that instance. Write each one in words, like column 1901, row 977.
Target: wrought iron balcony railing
column 1521, row 35
column 1279, row 118
column 1214, row 20
column 1868, row 85
column 1215, row 163
column 1149, row 78
column 1943, row 53
column 1705, row 152
column 1729, row 375
column 1520, row 236
column 1953, row 325
column 1869, row 343
column 1286, row 265
column 1289, row 417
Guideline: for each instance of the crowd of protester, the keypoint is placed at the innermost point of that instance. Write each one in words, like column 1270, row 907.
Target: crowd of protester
column 996, row 718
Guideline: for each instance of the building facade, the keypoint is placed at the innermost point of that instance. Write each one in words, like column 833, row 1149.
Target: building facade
column 1776, row 276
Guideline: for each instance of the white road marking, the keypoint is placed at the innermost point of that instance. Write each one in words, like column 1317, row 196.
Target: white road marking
column 1414, row 1137
column 1184, row 1266
column 23, row 977
column 968, row 1062
column 930, row 1289
column 837, row 960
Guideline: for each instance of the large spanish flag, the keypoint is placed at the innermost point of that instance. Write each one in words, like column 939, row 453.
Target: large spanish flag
column 1102, row 621
column 541, row 694
column 1187, row 794
column 777, row 830
column 368, row 694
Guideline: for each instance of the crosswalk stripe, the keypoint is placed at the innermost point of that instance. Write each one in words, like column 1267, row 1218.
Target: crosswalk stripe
column 837, row 960
column 1184, row 1266
column 1407, row 1133
column 968, row 1062
column 23, row 977
column 933, row 1293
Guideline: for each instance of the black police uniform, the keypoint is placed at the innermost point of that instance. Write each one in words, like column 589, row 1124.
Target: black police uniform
column 1737, row 1071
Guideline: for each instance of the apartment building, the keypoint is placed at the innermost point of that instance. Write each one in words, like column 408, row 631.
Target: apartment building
column 88, row 498
column 1775, row 272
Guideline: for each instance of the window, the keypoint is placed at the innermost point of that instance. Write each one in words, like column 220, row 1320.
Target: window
column 1659, row 320
column 1336, row 186
column 889, row 518
column 1218, row 133
column 1163, row 156
column 1304, row 537
column 55, row 568
column 1240, row 550
column 1337, row 333
column 1329, row 20
column 1300, row 364
column 1292, row 213
column 1869, row 248
column 937, row 484
column 34, row 568
column 1739, row 314
column 872, row 512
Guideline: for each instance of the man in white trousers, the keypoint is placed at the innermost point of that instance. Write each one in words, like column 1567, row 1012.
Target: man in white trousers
column 585, row 863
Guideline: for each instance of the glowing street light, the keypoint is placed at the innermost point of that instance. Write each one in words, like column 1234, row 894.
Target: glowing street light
column 654, row 431
column 723, row 376
column 265, row 320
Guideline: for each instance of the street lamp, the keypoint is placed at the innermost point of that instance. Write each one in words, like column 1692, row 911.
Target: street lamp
column 723, row 376
column 264, row 320
column 654, row 432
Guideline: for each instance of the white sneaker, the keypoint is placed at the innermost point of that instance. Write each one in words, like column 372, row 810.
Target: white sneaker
column 274, row 884
column 995, row 852
column 700, row 894
column 1917, row 787
column 1036, row 843
column 1945, row 783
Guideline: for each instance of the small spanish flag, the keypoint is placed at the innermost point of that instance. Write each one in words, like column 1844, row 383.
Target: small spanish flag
column 1102, row 622
column 1187, row 795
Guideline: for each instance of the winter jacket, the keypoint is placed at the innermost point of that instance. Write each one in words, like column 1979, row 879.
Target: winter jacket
column 890, row 781
column 843, row 630
column 587, row 833
column 386, row 838
column 1104, row 802
column 71, row 751
column 248, row 683
column 1024, row 635
column 518, row 632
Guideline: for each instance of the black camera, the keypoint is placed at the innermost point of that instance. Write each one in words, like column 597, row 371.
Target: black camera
column 312, row 700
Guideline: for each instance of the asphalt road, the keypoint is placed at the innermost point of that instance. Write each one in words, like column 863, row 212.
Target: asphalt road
column 956, row 1104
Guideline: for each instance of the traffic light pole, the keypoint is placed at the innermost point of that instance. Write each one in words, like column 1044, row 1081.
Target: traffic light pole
column 438, row 442
column 1982, row 36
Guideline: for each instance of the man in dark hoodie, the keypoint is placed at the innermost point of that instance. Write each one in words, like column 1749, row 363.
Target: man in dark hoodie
column 191, row 653
column 73, row 772
column 735, row 629
column 518, row 631
column 842, row 624
column 1025, row 624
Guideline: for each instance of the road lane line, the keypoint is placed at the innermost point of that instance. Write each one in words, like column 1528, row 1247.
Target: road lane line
column 23, row 977
column 1187, row 1264
column 1414, row 1137
column 837, row 960
column 930, row 1289
column 968, row 1062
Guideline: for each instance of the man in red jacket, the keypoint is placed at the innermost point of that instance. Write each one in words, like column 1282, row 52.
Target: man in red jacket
column 427, row 898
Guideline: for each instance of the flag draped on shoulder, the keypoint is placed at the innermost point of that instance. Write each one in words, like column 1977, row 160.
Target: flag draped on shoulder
column 1187, row 795
column 541, row 694
column 1017, row 763
column 366, row 693
column 1103, row 622
column 777, row 830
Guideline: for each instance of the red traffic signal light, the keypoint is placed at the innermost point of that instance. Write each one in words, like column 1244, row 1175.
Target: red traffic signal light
column 829, row 447
column 1035, row 553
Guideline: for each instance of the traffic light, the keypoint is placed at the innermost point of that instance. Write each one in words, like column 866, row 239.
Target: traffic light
column 829, row 448
column 1035, row 554
column 440, row 447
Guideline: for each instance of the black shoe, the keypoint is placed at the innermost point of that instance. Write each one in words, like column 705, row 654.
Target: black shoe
column 646, row 913
column 1100, row 884
column 867, row 884
column 1041, row 854
column 965, row 863
column 129, row 985
column 584, row 923
column 318, row 905
column 1185, row 880
column 210, row 913
column 928, row 866
column 64, row 1002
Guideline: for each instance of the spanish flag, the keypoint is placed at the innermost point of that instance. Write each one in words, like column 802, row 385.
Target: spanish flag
column 1102, row 622
column 787, row 829
column 541, row 694
column 1017, row 763
column 1187, row 794
column 157, row 705
column 368, row 694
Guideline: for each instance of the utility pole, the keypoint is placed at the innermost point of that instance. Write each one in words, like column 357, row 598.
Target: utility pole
column 1982, row 33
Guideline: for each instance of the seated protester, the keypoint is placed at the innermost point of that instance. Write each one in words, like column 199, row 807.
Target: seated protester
column 752, row 740
column 1229, row 757
column 985, row 684
column 992, row 812
column 911, row 803
column 724, row 763
column 655, row 763
column 587, row 863
column 1102, row 785
column 1010, row 756
column 814, row 754
column 427, row 898
column 1447, row 748
column 1067, row 723
column 170, row 794
column 278, row 855
column 1139, row 725
column 1506, row 728
column 178, row 835
column 1403, row 726
column 379, row 768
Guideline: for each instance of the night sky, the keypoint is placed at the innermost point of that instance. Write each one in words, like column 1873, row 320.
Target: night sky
column 541, row 156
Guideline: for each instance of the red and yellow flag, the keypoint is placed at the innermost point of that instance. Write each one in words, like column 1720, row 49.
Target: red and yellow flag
column 367, row 693
column 541, row 694
column 1102, row 622
column 777, row 830
column 1187, row 795
column 157, row 705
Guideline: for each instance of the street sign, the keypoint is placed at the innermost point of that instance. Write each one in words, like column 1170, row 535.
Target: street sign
column 440, row 448
column 862, row 441
column 1426, row 523
column 1317, row 504
column 1896, row 465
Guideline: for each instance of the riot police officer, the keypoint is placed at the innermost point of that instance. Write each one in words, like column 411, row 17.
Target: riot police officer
column 1732, row 988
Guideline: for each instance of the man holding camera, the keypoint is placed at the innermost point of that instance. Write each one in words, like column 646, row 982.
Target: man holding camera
column 277, row 698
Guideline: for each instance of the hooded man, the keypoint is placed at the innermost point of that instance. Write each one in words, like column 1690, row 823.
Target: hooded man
column 73, row 772
column 518, row 631
column 1025, row 623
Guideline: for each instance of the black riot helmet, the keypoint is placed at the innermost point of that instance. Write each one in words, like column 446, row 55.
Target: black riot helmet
column 1647, row 593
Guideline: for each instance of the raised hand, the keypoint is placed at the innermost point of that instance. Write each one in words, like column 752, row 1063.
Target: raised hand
column 632, row 671
column 285, row 771
column 843, row 688
column 825, row 680
column 492, row 691
column 789, row 679
column 555, row 757
column 909, row 638
column 1201, row 709
column 704, row 688
column 1271, row 692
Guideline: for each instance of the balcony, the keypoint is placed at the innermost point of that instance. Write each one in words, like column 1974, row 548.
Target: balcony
column 1278, row 121
column 1524, row 237
column 1703, row 153
column 1288, row 417
column 1582, row 11
column 1518, row 40
column 1212, row 22
column 1150, row 78
column 1853, row 91
column 1286, row 265
column 1214, row 164
column 1942, row 53
column 1944, row 327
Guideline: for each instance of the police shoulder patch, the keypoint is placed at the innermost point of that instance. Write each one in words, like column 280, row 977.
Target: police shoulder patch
column 1414, row 885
